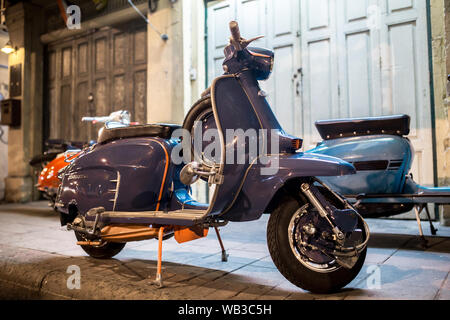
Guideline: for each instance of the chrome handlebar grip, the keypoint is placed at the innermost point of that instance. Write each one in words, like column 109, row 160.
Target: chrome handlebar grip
column 235, row 33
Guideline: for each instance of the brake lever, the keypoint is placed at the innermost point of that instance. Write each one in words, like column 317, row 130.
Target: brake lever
column 245, row 43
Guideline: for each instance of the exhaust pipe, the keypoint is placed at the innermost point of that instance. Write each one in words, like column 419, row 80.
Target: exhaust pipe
column 127, row 233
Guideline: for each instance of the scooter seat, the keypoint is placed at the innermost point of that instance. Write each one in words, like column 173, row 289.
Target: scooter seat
column 340, row 128
column 161, row 130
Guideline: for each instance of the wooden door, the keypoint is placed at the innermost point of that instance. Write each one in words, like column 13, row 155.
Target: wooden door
column 368, row 58
column 278, row 22
column 110, row 65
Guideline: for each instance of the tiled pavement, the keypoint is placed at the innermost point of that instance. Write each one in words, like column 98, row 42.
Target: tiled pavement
column 35, row 253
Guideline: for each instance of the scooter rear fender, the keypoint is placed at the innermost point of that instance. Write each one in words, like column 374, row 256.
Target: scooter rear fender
column 258, row 190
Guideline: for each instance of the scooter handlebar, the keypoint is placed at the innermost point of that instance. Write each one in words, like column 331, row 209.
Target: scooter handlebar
column 235, row 33
column 95, row 119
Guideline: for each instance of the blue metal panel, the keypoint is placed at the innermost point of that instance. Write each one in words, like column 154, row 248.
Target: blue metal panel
column 258, row 189
column 123, row 175
column 361, row 149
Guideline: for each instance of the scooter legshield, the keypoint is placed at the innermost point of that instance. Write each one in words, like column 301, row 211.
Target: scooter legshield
column 245, row 191
column 232, row 111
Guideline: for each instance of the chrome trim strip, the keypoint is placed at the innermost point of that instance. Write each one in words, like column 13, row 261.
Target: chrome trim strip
column 116, row 191
column 222, row 140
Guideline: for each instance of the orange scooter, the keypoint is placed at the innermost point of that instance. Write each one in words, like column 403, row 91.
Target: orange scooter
column 48, row 181
column 53, row 161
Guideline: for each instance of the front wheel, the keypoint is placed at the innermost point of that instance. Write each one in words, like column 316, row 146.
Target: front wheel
column 310, row 270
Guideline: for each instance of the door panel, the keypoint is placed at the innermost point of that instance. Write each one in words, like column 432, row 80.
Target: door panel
column 320, row 76
column 278, row 22
column 355, row 10
column 111, row 64
column 378, row 65
column 140, row 94
column 318, row 14
column 251, row 15
column 83, row 61
column 395, row 5
column 81, row 109
column 101, row 56
column 281, row 103
column 405, row 76
column 319, row 85
column 219, row 15
column 358, row 58
column 358, row 74
column 101, row 105
column 402, row 57
column 284, row 86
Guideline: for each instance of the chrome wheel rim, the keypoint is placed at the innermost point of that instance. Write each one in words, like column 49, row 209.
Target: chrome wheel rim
column 296, row 247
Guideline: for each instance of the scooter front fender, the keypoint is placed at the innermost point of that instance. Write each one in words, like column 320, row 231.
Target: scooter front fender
column 258, row 188
column 312, row 164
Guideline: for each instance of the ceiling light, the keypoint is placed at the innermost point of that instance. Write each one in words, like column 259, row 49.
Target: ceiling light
column 7, row 48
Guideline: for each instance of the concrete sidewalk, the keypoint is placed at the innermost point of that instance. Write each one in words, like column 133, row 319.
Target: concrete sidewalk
column 35, row 254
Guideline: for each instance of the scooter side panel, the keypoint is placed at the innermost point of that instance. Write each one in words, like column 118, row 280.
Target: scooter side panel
column 382, row 162
column 259, row 188
column 123, row 175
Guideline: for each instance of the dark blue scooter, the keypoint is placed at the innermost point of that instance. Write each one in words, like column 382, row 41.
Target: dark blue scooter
column 382, row 155
column 127, row 187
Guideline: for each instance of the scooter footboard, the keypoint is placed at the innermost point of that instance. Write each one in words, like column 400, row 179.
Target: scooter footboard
column 438, row 195
column 383, row 205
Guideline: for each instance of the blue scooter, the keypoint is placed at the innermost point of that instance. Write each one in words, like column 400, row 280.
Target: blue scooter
column 382, row 155
column 128, row 187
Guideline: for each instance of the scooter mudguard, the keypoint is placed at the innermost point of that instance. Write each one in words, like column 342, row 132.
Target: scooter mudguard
column 123, row 175
column 257, row 189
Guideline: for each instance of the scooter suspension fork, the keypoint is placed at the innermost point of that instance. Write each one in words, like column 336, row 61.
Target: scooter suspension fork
column 310, row 192
column 336, row 195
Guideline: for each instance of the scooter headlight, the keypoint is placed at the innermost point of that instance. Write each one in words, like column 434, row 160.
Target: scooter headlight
column 263, row 61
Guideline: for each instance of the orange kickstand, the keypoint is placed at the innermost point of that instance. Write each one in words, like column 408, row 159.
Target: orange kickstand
column 224, row 253
column 158, row 280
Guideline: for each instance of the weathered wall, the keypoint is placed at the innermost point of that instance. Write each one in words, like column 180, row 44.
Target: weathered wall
column 194, row 63
column 176, row 68
column 447, row 36
column 171, row 63
column 24, row 23
column 194, row 51
column 4, row 80
column 165, row 64
column 440, row 19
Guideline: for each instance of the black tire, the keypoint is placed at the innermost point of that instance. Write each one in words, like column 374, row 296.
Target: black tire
column 196, row 110
column 199, row 109
column 105, row 251
column 290, row 266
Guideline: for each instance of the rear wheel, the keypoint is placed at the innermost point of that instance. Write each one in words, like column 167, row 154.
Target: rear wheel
column 309, row 269
column 106, row 250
